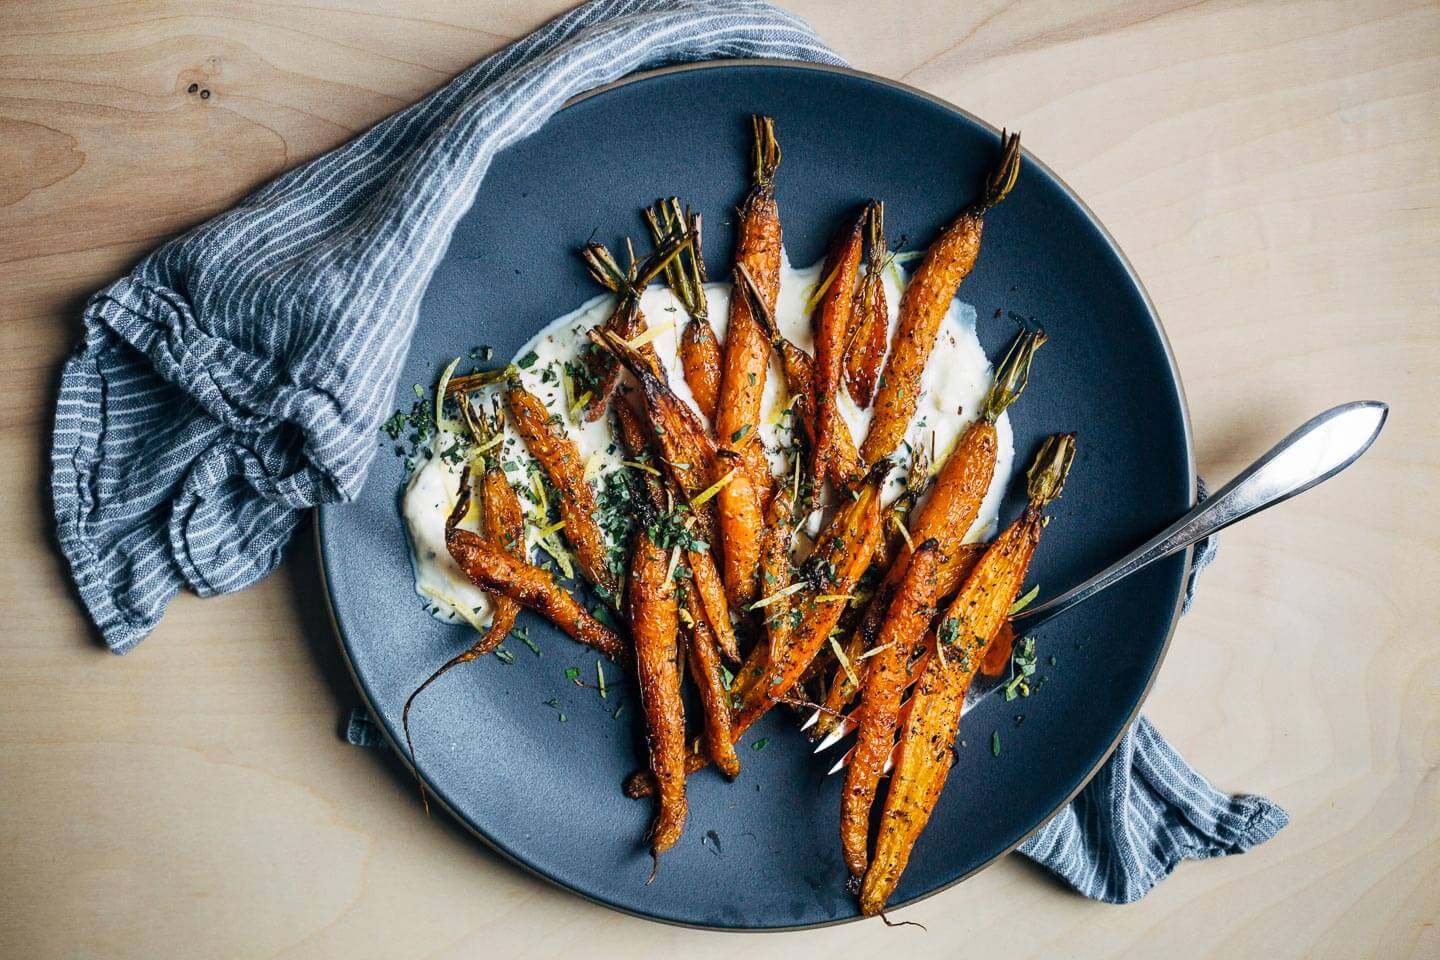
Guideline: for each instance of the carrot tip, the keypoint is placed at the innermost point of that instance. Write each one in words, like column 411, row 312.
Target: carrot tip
column 1002, row 179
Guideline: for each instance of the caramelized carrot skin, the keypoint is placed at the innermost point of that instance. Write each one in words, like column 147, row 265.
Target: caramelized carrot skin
column 560, row 458
column 966, row 630
column 949, row 260
column 714, row 606
column 655, row 627
column 840, row 557
column 831, row 325
column 714, row 697
column 700, row 358
column 906, row 623
column 742, row 384
column 503, row 523
column 867, row 343
column 493, row 570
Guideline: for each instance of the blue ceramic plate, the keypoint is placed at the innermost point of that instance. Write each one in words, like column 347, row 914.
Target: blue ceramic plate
column 763, row 852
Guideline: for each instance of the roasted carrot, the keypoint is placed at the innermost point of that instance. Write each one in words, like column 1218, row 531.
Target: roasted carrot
column 906, row 623
column 655, row 629
column 636, row 439
column 947, row 515
column 626, row 321
column 844, row 466
column 830, row 573
column 558, row 456
column 742, row 379
column 703, row 652
column 687, row 452
column 776, row 582
column 502, row 521
column 871, row 319
column 831, row 326
column 495, row 571
column 699, row 350
column 948, row 261
column 965, row 631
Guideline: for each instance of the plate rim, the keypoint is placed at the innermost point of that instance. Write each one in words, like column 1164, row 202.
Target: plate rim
column 1186, row 429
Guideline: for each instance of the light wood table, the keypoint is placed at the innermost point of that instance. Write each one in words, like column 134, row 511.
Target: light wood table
column 1273, row 170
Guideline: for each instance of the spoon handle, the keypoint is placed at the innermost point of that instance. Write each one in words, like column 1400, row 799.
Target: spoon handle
column 1315, row 452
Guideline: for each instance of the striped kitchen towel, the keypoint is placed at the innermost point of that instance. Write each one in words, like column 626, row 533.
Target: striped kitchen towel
column 238, row 375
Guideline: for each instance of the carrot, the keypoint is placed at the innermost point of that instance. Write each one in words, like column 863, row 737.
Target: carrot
column 905, row 626
column 700, row 356
column 492, row 569
column 636, row 439
column 502, row 521
column 602, row 373
column 844, row 466
column 776, row 576
column 703, row 652
column 557, row 454
column 830, row 573
column 959, row 490
column 742, row 379
column 831, row 326
column 966, row 630
column 948, row 261
column 866, row 348
column 655, row 628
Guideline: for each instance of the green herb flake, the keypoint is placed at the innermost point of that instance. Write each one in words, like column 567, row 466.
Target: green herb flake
column 760, row 744
column 619, row 709
column 564, row 719
column 504, row 656
column 995, row 743
column 419, row 391
column 1024, row 601
column 572, row 674
column 739, row 435
column 552, row 702
column 527, row 361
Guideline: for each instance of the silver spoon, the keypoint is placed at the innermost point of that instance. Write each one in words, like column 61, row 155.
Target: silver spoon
column 1312, row 454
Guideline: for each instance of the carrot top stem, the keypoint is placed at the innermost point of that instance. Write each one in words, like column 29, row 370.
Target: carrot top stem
column 1002, row 179
column 684, row 275
column 606, row 270
column 1046, row 476
column 1012, row 375
column 767, row 150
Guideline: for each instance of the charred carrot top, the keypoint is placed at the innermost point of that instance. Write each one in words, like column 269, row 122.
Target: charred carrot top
column 965, row 631
column 602, row 372
column 699, row 350
column 742, row 380
column 948, row 261
column 865, row 351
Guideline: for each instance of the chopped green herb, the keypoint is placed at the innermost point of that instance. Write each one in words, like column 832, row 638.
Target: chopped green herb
column 1024, row 601
column 572, row 674
column 619, row 709
column 419, row 391
column 527, row 361
column 504, row 656
column 739, row 435
column 995, row 743
column 760, row 744
column 553, row 702
column 564, row 719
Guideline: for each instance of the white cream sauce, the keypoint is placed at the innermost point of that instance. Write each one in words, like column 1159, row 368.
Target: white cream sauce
column 952, row 388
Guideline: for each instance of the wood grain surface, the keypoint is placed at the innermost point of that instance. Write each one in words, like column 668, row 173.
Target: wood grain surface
column 1272, row 169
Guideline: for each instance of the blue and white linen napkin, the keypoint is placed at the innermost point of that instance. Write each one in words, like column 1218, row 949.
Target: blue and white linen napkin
column 238, row 375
